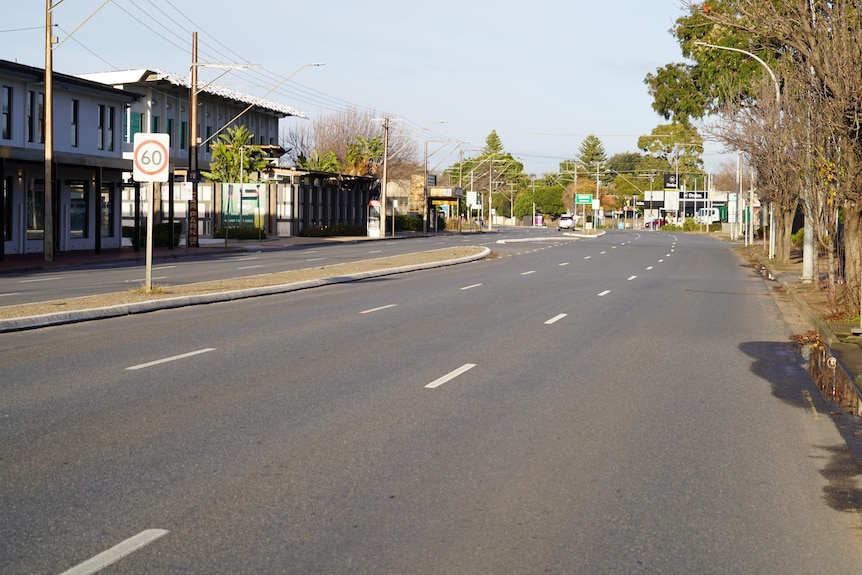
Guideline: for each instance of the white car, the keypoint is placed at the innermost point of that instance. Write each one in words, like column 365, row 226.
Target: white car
column 566, row 222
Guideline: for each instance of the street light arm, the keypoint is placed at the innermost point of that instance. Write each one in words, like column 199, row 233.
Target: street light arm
column 747, row 53
column 259, row 100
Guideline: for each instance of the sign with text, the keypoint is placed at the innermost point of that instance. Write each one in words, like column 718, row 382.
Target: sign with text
column 585, row 199
column 151, row 157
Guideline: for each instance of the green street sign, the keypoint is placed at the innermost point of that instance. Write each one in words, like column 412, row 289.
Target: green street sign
column 583, row 199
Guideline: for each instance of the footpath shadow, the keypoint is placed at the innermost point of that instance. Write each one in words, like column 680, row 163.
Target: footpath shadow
column 782, row 364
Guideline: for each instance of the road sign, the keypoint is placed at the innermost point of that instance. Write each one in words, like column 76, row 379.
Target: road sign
column 151, row 157
column 584, row 199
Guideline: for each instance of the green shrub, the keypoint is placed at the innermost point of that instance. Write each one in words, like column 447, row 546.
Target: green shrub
column 799, row 237
column 240, row 233
column 320, row 231
column 160, row 234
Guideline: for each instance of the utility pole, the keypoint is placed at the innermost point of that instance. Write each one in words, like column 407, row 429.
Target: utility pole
column 383, row 183
column 192, row 238
column 48, row 224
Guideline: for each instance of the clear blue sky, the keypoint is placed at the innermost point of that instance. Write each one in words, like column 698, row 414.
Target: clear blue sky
column 543, row 74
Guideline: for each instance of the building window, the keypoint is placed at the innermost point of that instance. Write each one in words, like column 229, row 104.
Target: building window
column 79, row 210
column 74, row 127
column 154, row 125
column 6, row 113
column 6, row 208
column 183, row 137
column 170, row 130
column 106, row 128
column 36, row 210
column 106, row 210
column 36, row 117
column 209, row 133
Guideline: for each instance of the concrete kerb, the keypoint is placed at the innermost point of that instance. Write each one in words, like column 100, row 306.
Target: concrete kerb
column 61, row 318
column 563, row 236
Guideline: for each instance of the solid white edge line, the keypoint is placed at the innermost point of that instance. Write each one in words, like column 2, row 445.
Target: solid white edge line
column 117, row 552
column 556, row 318
column 470, row 287
column 604, row 293
column 451, row 375
column 172, row 358
column 372, row 310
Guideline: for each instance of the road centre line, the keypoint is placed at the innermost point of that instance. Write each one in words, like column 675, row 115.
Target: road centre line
column 314, row 259
column 564, row 264
column 117, row 552
column 451, row 375
column 163, row 267
column 528, row 273
column 250, row 267
column 660, row 261
column 168, row 359
column 470, row 287
column 372, row 310
column 556, row 318
column 8, row 294
column 587, row 257
column 375, row 251
column 633, row 278
column 604, row 293
column 649, row 267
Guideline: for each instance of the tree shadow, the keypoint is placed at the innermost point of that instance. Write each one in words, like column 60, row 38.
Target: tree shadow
column 782, row 364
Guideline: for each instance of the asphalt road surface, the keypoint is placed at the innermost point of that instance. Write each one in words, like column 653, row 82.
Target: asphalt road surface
column 626, row 404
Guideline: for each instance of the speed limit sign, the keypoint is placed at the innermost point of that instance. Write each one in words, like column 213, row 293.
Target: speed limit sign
column 152, row 157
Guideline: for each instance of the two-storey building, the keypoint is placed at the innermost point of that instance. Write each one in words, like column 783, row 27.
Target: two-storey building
column 88, row 162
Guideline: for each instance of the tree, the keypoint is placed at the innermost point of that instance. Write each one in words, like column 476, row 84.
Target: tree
column 355, row 139
column 592, row 156
column 364, row 156
column 328, row 162
column 819, row 45
column 679, row 145
column 234, row 159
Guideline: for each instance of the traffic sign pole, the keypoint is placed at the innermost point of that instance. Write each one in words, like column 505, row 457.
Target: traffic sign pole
column 151, row 163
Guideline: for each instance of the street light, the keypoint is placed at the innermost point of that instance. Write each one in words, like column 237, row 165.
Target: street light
column 194, row 145
column 750, row 230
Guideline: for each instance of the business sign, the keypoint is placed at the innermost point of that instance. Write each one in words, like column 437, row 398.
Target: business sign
column 151, row 157
column 670, row 182
column 586, row 199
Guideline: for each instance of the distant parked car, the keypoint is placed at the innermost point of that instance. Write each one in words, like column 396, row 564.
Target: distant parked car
column 566, row 222
column 656, row 223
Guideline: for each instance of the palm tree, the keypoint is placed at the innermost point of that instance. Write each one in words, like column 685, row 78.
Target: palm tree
column 234, row 159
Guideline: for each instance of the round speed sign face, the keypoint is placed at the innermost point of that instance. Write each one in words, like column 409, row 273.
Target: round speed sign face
column 151, row 157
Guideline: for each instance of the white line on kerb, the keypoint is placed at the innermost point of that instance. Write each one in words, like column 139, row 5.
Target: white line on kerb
column 604, row 293
column 372, row 310
column 470, row 287
column 117, row 552
column 172, row 358
column 49, row 279
column 451, row 375
column 555, row 319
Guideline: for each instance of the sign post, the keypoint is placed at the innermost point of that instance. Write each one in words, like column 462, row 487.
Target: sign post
column 151, row 159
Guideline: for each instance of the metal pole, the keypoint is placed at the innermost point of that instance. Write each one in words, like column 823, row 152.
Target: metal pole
column 192, row 239
column 48, row 224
